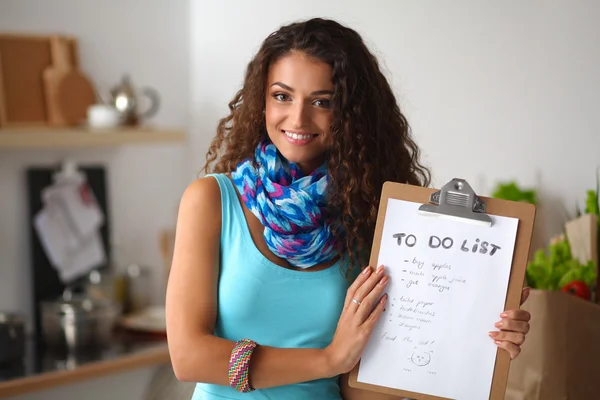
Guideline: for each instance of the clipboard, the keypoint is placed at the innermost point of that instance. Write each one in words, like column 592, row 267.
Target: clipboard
column 456, row 200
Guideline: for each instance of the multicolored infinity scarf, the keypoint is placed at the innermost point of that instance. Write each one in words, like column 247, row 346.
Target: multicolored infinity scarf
column 291, row 207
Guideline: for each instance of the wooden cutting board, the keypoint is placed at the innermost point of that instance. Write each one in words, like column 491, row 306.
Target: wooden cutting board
column 2, row 96
column 23, row 58
column 68, row 91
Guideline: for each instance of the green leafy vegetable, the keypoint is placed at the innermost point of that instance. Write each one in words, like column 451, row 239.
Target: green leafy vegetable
column 591, row 203
column 554, row 267
column 512, row 191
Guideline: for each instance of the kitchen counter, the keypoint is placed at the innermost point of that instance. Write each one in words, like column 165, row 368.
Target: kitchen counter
column 42, row 370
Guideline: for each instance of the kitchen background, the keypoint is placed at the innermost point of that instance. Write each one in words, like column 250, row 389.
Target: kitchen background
column 493, row 92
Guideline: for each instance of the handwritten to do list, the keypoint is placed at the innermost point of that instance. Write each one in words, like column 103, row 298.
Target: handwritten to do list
column 448, row 287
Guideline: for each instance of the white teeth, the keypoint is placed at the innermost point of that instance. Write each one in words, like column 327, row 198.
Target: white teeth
column 295, row 136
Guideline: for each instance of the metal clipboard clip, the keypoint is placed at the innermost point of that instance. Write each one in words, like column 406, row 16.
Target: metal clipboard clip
column 457, row 200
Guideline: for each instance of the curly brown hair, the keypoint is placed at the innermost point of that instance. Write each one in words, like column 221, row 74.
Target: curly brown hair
column 371, row 141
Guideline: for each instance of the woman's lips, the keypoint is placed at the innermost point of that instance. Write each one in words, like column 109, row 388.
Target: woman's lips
column 299, row 138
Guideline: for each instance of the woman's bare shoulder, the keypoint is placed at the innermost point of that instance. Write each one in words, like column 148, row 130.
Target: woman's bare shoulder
column 201, row 195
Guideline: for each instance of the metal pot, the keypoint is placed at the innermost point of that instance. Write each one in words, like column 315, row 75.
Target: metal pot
column 78, row 322
column 12, row 338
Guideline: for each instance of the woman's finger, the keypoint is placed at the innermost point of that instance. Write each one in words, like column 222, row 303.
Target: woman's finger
column 513, row 349
column 370, row 300
column 512, row 325
column 519, row 315
column 525, row 294
column 516, row 338
column 350, row 293
column 370, row 321
column 366, row 288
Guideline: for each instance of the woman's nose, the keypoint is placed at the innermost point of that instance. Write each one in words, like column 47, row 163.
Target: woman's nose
column 299, row 115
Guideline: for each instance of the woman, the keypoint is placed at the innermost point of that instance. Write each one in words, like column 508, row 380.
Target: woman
column 265, row 299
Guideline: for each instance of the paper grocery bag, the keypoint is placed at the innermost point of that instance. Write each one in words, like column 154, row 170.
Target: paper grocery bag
column 560, row 358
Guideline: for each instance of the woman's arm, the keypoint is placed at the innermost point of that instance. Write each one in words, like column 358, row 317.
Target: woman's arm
column 196, row 354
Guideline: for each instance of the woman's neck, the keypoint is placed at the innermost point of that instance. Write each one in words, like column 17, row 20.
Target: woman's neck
column 308, row 167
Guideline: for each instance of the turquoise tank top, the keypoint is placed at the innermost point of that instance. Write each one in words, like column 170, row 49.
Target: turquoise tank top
column 272, row 305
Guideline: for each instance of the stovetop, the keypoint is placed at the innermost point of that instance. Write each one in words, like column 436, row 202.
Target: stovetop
column 38, row 360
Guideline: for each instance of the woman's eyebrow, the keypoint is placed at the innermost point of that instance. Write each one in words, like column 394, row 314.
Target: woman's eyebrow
column 322, row 92
column 283, row 86
column 288, row 88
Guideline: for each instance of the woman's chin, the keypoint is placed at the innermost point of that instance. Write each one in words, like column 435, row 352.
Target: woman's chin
column 307, row 157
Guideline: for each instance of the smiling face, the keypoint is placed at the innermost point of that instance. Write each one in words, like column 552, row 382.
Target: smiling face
column 297, row 111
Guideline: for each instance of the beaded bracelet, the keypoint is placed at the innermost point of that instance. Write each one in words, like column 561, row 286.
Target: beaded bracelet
column 239, row 364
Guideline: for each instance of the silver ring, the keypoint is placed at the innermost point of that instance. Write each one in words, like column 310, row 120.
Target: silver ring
column 356, row 301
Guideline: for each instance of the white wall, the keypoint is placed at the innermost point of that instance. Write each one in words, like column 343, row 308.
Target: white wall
column 149, row 40
column 494, row 91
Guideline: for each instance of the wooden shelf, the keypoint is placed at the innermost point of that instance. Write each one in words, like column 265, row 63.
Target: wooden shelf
column 53, row 138
column 153, row 356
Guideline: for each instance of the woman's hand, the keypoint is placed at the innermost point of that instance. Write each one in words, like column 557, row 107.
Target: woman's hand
column 362, row 309
column 513, row 326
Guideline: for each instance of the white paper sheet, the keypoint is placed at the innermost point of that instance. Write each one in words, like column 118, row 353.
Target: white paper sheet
column 80, row 206
column 72, row 256
column 69, row 228
column 445, row 295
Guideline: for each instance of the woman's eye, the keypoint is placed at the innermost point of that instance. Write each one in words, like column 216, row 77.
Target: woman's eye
column 322, row 103
column 281, row 96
